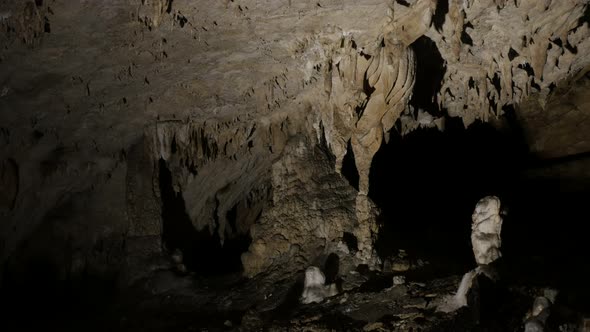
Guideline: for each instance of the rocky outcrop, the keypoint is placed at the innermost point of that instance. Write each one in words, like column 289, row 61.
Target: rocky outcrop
column 305, row 221
column 215, row 164
column 548, row 131
column 24, row 21
column 486, row 230
column 499, row 53
column 370, row 86
column 222, row 94
column 315, row 288
column 390, row 76
column 150, row 12
column 278, row 169
column 519, row 49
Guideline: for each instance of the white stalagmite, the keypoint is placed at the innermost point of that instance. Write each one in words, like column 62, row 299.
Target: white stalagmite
column 485, row 230
column 486, row 242
column 451, row 303
column 537, row 317
column 314, row 288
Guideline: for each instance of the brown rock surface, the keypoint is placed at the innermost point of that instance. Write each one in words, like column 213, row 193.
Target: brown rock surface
column 251, row 105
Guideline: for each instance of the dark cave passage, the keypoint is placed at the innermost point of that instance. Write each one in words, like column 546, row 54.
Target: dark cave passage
column 202, row 250
column 430, row 70
column 428, row 182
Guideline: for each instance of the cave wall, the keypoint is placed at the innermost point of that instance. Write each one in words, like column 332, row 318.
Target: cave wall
column 311, row 209
column 560, row 128
column 89, row 85
column 93, row 95
column 215, row 164
column 499, row 53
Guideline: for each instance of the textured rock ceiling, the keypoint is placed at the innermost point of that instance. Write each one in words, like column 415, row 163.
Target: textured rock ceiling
column 93, row 94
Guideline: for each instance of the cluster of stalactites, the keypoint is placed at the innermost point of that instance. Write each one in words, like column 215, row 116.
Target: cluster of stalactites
column 370, row 87
column 369, row 91
column 498, row 53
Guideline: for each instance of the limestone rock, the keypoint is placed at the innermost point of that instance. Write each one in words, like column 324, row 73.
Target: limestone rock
column 250, row 116
column 461, row 298
column 500, row 54
column 151, row 12
column 314, row 288
column 411, row 120
column 400, row 265
column 23, row 21
column 547, row 132
column 399, row 280
column 537, row 318
column 389, row 69
column 486, row 228
column 218, row 152
column 143, row 210
column 377, row 326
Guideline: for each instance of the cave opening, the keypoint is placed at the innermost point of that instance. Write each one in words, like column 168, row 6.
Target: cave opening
column 202, row 250
column 427, row 183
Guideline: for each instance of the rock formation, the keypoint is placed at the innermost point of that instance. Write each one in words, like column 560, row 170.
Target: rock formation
column 519, row 49
column 537, row 318
column 486, row 230
column 250, row 107
column 370, row 86
column 305, row 222
column 460, row 299
column 314, row 287
column 151, row 12
column 24, row 22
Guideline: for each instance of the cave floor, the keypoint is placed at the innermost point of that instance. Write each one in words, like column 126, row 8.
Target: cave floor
column 369, row 302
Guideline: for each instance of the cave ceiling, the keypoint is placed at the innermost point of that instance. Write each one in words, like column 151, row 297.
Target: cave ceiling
column 92, row 89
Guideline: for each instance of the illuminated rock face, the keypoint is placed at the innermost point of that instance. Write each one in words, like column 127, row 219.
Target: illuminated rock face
column 217, row 90
column 500, row 53
column 486, row 229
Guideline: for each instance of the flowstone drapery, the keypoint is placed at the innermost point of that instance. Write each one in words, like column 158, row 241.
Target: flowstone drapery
column 370, row 86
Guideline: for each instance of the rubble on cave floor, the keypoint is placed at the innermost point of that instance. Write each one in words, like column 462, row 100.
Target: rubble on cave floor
column 369, row 301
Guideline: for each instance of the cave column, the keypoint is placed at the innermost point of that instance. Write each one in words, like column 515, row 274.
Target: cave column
column 366, row 229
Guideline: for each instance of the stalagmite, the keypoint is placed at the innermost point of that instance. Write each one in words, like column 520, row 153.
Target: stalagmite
column 537, row 317
column 486, row 228
column 393, row 80
column 459, row 299
column 314, row 288
column 486, row 242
